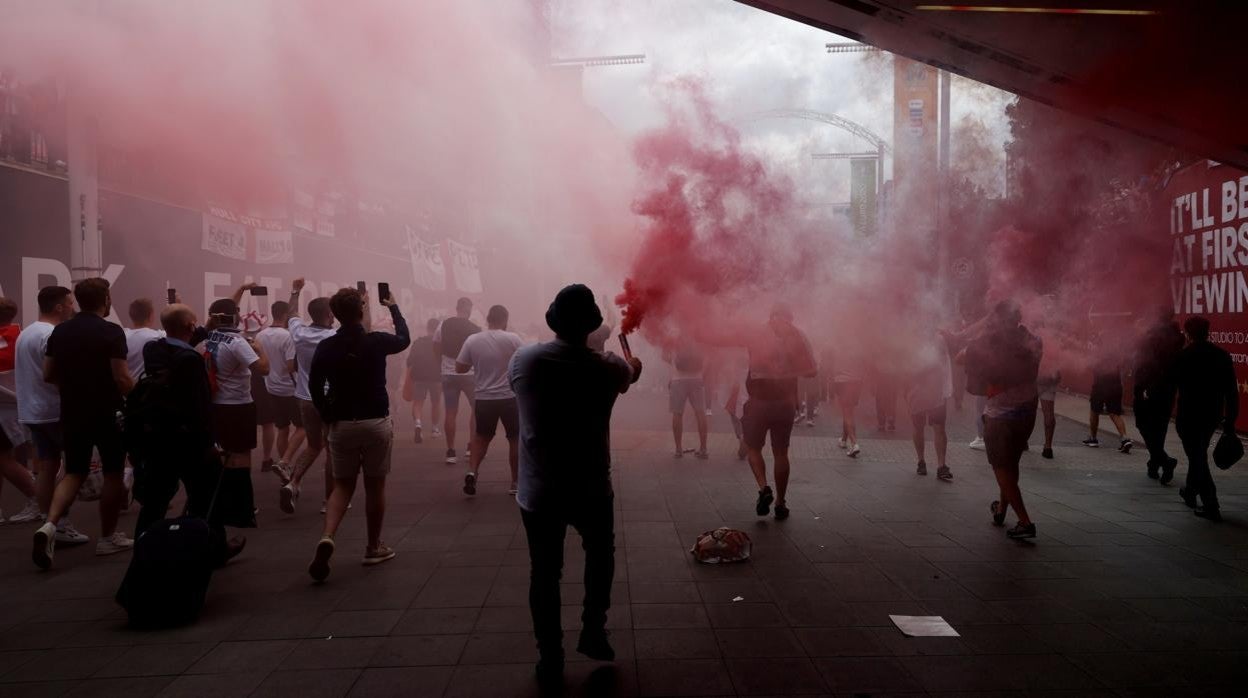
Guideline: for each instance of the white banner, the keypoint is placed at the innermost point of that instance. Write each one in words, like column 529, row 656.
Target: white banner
column 464, row 262
column 224, row 238
column 427, row 268
column 325, row 227
column 274, row 247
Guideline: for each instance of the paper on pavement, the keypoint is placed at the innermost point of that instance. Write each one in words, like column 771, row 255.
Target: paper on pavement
column 924, row 626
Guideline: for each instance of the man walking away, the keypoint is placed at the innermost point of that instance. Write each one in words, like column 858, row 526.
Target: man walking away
column 278, row 413
column 356, row 409
column 1208, row 398
column 928, row 398
column 306, row 338
column 1106, row 398
column 779, row 356
column 488, row 354
column 566, row 392
column 423, row 381
column 12, row 433
column 86, row 359
column 39, row 402
column 687, row 386
column 170, row 434
column 448, row 340
column 1154, row 391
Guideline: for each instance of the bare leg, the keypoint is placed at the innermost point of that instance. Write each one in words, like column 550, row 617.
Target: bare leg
column 435, row 410
column 283, row 441
column 1007, row 479
column 678, row 427
column 63, row 496
column 45, row 482
column 782, row 472
column 758, row 466
column 297, row 438
column 111, row 499
column 1094, row 423
column 940, row 438
column 449, row 427
column 700, row 416
column 266, row 440
column 513, row 459
column 1119, row 424
column 1050, row 422
column 920, row 446
column 337, row 506
column 479, row 444
column 374, row 508
column 306, row 459
column 850, row 428
column 16, row 474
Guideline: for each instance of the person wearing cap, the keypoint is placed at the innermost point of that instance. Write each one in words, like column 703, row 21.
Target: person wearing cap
column 566, row 391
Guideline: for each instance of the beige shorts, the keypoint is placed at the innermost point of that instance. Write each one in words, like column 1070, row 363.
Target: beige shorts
column 361, row 446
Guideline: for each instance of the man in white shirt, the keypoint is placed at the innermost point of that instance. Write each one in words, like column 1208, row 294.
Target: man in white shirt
column 233, row 358
column 39, row 402
column 277, row 410
column 488, row 354
column 305, row 337
column 142, row 330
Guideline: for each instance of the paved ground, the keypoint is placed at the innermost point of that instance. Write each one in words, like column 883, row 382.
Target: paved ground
column 1123, row 593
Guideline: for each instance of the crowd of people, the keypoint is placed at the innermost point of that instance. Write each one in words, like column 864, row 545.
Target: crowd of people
column 170, row 402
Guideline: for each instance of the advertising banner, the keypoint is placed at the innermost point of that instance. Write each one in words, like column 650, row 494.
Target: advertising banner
column 863, row 206
column 915, row 120
column 427, row 268
column 464, row 263
column 1206, row 204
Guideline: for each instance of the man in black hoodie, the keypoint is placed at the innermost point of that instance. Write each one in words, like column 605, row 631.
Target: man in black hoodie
column 173, row 442
column 1208, row 398
column 1154, row 391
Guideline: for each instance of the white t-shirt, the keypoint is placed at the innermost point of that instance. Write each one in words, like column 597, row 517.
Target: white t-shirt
column 233, row 357
column 489, row 353
column 38, row 402
column 279, row 348
column 305, row 338
column 136, row 339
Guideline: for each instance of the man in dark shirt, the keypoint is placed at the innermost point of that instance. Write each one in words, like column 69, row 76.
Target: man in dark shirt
column 1154, row 391
column 356, row 409
column 448, row 339
column 1208, row 399
column 424, row 380
column 565, row 392
column 86, row 359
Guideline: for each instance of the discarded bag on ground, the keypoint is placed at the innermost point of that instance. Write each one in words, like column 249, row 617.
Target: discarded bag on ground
column 722, row 545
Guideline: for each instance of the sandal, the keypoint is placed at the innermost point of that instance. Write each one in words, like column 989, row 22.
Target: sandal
column 998, row 513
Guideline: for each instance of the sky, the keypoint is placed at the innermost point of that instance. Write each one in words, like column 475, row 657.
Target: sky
column 750, row 60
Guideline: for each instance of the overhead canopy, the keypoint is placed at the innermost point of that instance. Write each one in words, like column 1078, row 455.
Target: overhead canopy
column 1165, row 69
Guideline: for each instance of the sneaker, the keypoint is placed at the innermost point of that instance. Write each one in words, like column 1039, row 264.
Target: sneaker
column 318, row 569
column 1189, row 501
column 67, row 534
column 702, row 455
column 1047, row 453
column 378, row 555
column 450, row 456
column 266, row 465
column 765, row 498
column 1125, row 445
column 1092, row 442
column 44, row 545
column 709, row 412
column 549, row 672
column 470, row 484
column 596, row 645
column 810, row 422
column 853, row 451
column 28, row 513
column 283, row 471
column 1151, row 470
column 944, row 473
column 922, row 468
column 782, row 512
column 512, row 490
column 419, row 438
column 840, row 443
column 1167, row 471
column 977, row 444
column 742, row 451
column 1209, row 514
column 436, row 432
column 287, row 496
column 1020, row 531
column 678, row 453
column 116, row 543
column 324, row 507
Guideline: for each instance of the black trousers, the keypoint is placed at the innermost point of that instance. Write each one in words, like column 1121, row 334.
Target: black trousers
column 1152, row 418
column 1196, row 440
column 156, row 483
column 594, row 519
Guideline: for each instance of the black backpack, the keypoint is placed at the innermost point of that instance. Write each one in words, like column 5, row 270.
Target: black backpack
column 150, row 411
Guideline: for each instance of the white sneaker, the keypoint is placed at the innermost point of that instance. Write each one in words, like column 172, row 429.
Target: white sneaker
column 436, row 432
column 709, row 413
column 840, row 443
column 44, row 546
column 853, row 451
column 116, row 543
column 29, row 513
column 67, row 534
column 282, row 470
column 977, row 444
column 288, row 495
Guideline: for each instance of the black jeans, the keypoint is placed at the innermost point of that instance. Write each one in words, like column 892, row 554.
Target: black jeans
column 1196, row 440
column 1152, row 418
column 594, row 519
column 156, row 483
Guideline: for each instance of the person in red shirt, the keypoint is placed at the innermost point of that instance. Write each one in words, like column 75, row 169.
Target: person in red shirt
column 12, row 434
column 8, row 334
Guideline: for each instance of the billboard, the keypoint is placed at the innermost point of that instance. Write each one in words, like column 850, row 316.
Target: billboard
column 1206, row 205
column 863, row 206
column 915, row 122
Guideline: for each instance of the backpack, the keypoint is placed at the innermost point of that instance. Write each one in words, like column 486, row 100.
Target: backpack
column 149, row 410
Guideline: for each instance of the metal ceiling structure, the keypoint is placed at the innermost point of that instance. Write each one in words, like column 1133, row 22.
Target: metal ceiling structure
column 840, row 122
column 1169, row 70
